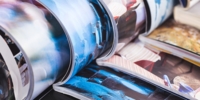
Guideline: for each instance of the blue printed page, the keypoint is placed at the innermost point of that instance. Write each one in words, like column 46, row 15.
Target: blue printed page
column 6, row 84
column 102, row 83
column 159, row 11
column 83, row 26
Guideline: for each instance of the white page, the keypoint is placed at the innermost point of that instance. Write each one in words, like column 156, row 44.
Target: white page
column 20, row 91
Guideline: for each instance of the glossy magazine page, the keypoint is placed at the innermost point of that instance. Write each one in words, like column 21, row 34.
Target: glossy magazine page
column 17, row 68
column 179, row 35
column 41, row 53
column 112, row 27
column 157, row 12
column 165, row 70
column 11, row 79
column 189, row 17
column 188, row 3
column 175, row 38
column 6, row 83
column 130, row 16
column 103, row 83
column 87, row 26
column 45, row 49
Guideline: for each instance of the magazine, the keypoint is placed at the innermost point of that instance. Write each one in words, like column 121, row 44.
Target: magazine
column 160, row 68
column 70, row 45
column 130, row 18
column 79, row 86
column 51, row 52
column 189, row 17
column 182, row 41
column 102, row 83
column 6, row 88
column 37, row 57
column 188, row 3
column 175, row 38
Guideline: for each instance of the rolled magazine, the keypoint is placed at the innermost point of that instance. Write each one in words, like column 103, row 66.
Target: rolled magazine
column 45, row 48
column 188, row 3
column 40, row 54
column 130, row 16
column 93, row 83
column 70, row 45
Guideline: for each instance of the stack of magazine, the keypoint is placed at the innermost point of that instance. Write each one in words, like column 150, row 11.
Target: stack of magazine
column 92, row 50
column 179, row 37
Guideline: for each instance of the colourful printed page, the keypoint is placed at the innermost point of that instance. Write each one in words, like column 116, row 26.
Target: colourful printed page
column 6, row 84
column 128, row 65
column 130, row 16
column 102, row 83
column 167, row 70
column 157, row 12
column 179, row 35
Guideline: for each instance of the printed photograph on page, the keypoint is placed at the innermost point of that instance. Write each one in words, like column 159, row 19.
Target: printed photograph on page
column 102, row 83
column 158, row 12
column 179, row 35
column 130, row 18
column 6, row 84
column 88, row 38
column 19, row 58
column 165, row 69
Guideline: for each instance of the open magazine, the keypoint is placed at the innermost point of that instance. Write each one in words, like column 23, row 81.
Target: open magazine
column 80, row 48
column 188, row 3
column 39, row 50
column 179, row 71
column 162, row 69
column 181, row 40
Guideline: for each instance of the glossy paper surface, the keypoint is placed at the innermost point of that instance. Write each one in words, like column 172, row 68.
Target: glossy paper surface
column 179, row 35
column 159, row 11
column 6, row 84
column 188, row 3
column 165, row 70
column 101, row 83
column 130, row 16
column 83, row 25
column 46, row 51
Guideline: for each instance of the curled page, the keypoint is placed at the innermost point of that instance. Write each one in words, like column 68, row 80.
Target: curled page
column 17, row 67
column 54, row 42
column 189, row 17
column 188, row 3
column 165, row 70
column 157, row 12
column 7, row 89
column 40, row 52
column 95, row 82
column 130, row 16
column 88, row 27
